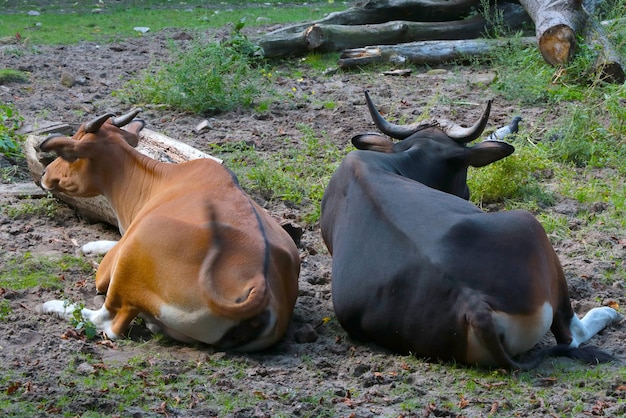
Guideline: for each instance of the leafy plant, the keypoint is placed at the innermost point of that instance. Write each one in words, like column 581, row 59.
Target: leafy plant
column 205, row 78
column 5, row 309
column 297, row 175
column 24, row 271
column 46, row 206
column 517, row 177
column 8, row 75
column 79, row 322
column 10, row 140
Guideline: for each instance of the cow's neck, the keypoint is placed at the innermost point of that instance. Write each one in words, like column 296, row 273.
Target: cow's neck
column 131, row 185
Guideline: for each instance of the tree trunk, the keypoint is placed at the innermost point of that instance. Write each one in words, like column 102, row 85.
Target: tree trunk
column 97, row 209
column 424, row 52
column 557, row 22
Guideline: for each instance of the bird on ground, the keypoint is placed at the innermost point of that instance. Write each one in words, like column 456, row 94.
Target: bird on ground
column 500, row 133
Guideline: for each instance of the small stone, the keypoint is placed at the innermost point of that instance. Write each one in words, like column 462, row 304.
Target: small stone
column 67, row 79
column 202, row 126
column 85, row 368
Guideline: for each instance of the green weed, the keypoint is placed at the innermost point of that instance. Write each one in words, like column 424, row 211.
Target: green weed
column 517, row 177
column 45, row 206
column 5, row 309
column 8, row 75
column 24, row 271
column 79, row 322
column 205, row 78
column 10, row 140
column 297, row 175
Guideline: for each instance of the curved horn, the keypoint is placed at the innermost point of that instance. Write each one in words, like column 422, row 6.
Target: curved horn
column 453, row 130
column 95, row 124
column 466, row 135
column 124, row 120
column 394, row 131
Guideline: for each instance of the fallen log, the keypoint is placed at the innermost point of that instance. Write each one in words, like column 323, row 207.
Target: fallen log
column 325, row 37
column 557, row 22
column 97, row 209
column 380, row 11
column 426, row 52
column 607, row 66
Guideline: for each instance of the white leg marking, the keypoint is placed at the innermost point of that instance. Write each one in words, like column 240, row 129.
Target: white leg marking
column 100, row 318
column 593, row 322
column 98, row 247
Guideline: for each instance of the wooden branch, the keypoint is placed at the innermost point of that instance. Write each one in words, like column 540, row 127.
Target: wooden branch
column 557, row 22
column 97, row 209
column 323, row 37
column 424, row 52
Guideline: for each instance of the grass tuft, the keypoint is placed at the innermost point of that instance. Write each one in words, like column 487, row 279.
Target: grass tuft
column 27, row 271
column 204, row 78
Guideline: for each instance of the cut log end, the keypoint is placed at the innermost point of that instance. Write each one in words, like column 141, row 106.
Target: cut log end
column 558, row 44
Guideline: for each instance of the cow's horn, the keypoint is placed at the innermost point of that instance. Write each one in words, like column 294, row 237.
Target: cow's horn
column 95, row 124
column 465, row 135
column 394, row 131
column 124, row 120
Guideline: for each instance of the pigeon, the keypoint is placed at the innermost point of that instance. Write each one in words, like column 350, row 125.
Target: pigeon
column 500, row 133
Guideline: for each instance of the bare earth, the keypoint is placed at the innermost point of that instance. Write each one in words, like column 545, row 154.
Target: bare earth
column 316, row 368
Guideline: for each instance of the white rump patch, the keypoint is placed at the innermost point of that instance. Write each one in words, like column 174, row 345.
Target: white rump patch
column 198, row 325
column 98, row 247
column 522, row 332
column 593, row 322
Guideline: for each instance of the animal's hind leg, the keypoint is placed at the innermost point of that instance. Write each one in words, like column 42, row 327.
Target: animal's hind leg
column 593, row 322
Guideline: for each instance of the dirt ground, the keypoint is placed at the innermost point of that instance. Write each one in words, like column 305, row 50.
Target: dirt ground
column 315, row 356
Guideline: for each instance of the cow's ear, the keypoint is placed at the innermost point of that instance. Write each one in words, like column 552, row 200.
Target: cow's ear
column 488, row 152
column 372, row 142
column 67, row 148
column 131, row 132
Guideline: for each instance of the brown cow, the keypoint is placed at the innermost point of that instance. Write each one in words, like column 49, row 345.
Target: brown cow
column 198, row 258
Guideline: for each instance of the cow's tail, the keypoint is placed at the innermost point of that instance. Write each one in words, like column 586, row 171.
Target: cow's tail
column 485, row 328
column 229, row 291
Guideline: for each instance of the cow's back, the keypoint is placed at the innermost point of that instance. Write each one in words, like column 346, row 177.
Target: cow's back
column 401, row 272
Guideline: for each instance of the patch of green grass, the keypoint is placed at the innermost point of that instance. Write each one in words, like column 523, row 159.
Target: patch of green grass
column 26, row 271
column 297, row 175
column 591, row 133
column 205, row 78
column 46, row 206
column 8, row 75
column 10, row 140
column 319, row 62
column 107, row 21
column 5, row 309
column 517, row 177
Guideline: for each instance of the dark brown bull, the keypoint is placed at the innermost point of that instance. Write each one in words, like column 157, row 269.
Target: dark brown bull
column 419, row 269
